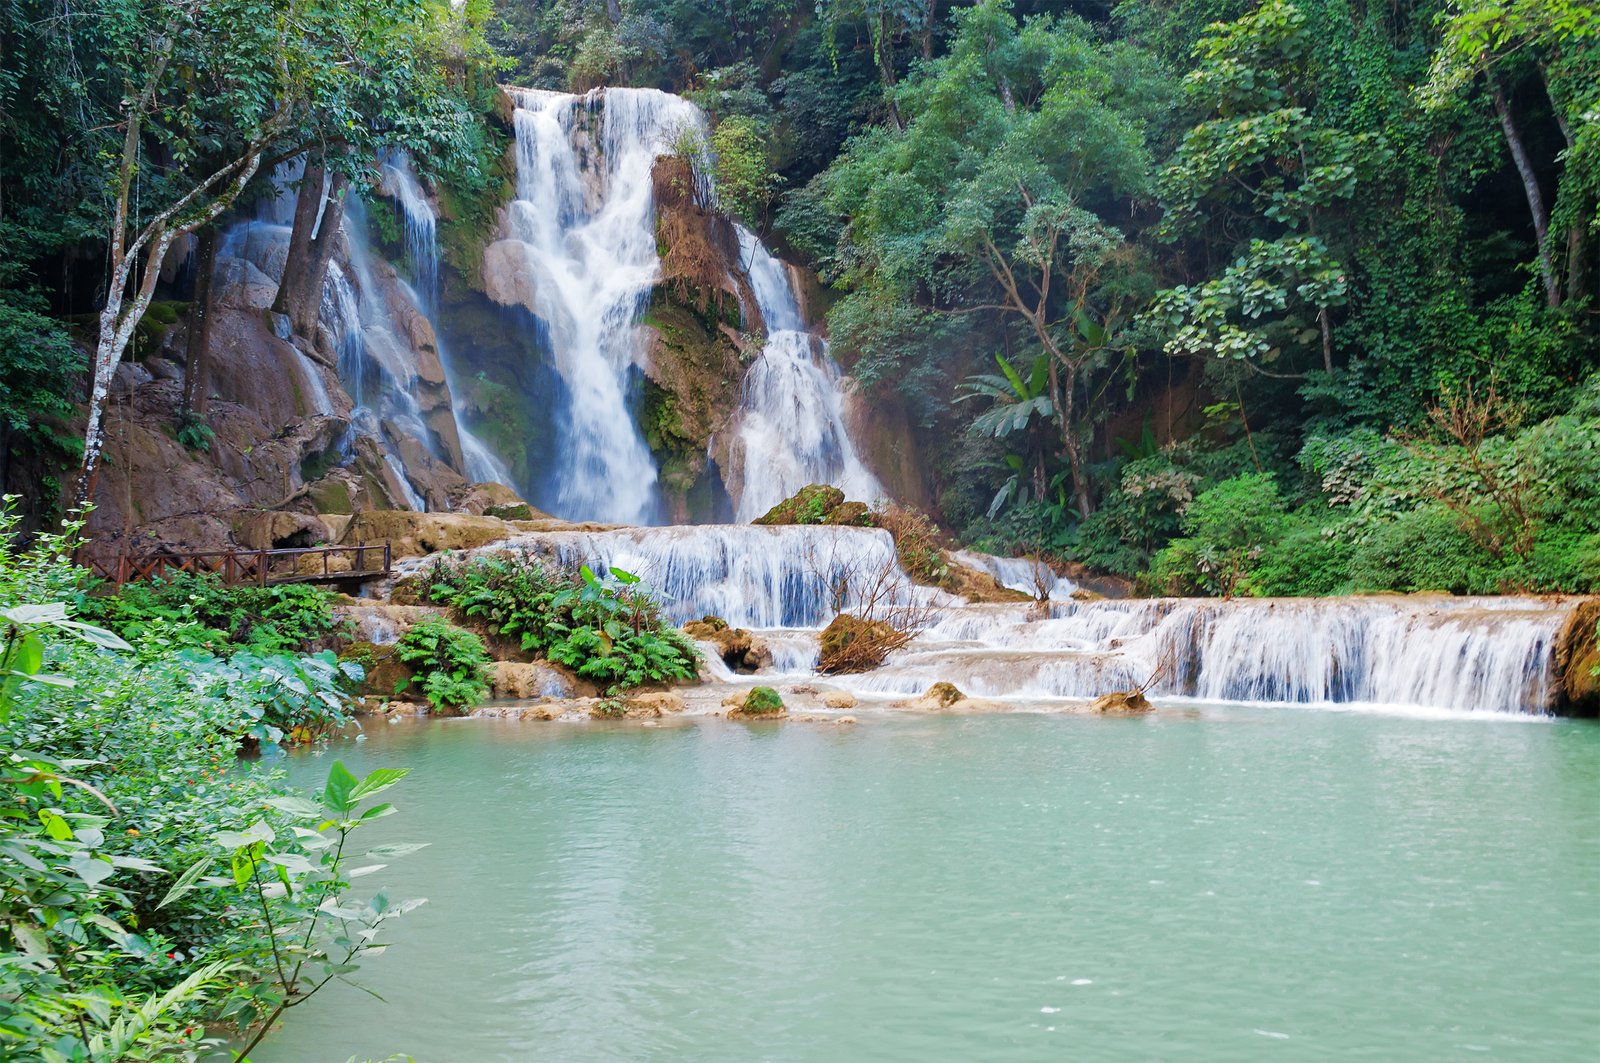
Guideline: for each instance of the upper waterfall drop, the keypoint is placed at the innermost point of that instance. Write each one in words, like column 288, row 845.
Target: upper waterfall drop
column 789, row 430
column 422, row 250
column 589, row 236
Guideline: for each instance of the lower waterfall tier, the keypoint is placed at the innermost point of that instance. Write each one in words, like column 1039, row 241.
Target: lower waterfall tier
column 1459, row 654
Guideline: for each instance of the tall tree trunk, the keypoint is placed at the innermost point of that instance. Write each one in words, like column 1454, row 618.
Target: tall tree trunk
column 1530, row 188
column 197, row 354
column 883, row 51
column 311, row 242
column 1577, row 278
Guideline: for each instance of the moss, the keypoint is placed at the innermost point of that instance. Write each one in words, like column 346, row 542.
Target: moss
column 159, row 317
column 761, row 701
column 811, row 504
column 331, row 496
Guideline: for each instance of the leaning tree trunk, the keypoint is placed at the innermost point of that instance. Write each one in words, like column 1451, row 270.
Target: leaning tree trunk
column 197, row 353
column 1530, row 188
column 311, row 243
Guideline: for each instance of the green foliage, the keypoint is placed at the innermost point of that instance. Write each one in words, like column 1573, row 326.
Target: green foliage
column 199, row 611
column 606, row 628
column 123, row 795
column 1226, row 531
column 745, row 181
column 451, row 664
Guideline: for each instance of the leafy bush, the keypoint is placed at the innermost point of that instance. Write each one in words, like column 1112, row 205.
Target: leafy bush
column 1227, row 530
column 451, row 664
column 116, row 939
column 606, row 628
column 199, row 610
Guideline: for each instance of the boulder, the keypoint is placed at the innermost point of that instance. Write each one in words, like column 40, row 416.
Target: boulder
column 508, row 277
column 387, row 676
column 518, row 681
column 759, row 702
column 654, row 703
column 810, row 505
column 839, row 699
column 495, row 500
column 945, row 697
column 853, row 644
column 1122, row 702
column 241, row 285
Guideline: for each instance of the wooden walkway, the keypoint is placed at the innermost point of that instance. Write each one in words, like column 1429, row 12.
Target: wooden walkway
column 264, row 568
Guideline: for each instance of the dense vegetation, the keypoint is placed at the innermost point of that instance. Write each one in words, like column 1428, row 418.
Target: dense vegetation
column 1330, row 261
column 155, row 892
column 1333, row 260
column 607, row 628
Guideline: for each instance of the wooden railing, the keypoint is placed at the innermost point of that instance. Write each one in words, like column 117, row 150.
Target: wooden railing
column 314, row 564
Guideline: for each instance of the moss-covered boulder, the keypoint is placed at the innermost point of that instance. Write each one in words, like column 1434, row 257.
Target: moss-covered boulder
column 811, row 504
column 762, row 701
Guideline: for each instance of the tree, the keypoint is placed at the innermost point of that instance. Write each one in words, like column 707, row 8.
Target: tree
column 1020, row 146
column 1561, row 39
column 207, row 87
column 1260, row 162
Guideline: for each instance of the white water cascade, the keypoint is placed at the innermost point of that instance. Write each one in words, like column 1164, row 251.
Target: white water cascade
column 584, row 214
column 376, row 364
column 1436, row 653
column 422, row 251
column 789, row 430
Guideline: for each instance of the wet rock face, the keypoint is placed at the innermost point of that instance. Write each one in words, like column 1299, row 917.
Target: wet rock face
column 738, row 649
column 1577, row 661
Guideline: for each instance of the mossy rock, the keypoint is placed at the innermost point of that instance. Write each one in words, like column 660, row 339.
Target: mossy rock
column 705, row 627
column 519, row 511
column 762, row 701
column 386, row 675
column 946, row 694
column 851, row 515
column 853, row 644
column 811, row 504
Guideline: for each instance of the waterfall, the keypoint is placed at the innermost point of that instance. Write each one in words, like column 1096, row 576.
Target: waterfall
column 789, row 429
column 584, row 214
column 1453, row 654
column 422, row 253
column 750, row 576
column 376, row 365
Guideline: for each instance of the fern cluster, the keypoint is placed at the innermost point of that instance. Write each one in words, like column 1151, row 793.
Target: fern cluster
column 450, row 663
column 607, row 628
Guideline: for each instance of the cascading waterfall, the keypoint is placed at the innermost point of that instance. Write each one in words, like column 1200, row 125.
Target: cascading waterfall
column 588, row 230
column 377, row 366
column 789, row 429
column 780, row 577
column 1474, row 654
column 422, row 253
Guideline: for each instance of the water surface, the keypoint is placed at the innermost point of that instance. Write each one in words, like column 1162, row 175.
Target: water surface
column 1217, row 883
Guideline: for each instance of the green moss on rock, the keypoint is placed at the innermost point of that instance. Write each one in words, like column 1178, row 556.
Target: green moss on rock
column 762, row 701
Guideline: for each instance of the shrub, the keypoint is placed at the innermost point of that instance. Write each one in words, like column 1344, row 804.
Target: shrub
column 606, row 628
column 1227, row 530
column 199, row 610
column 116, row 938
column 451, row 664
